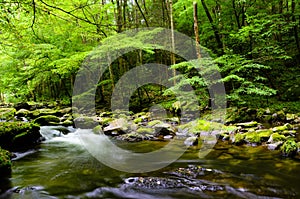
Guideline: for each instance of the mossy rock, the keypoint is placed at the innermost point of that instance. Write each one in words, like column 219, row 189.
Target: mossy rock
column 44, row 112
column 276, row 137
column 285, row 127
column 154, row 122
column 47, row 120
column 5, row 163
column 195, row 127
column 97, row 129
column 289, row 132
column 279, row 116
column 7, row 113
column 133, row 137
column 104, row 120
column 85, row 122
column 290, row 117
column 248, row 124
column 23, row 113
column 18, row 135
column 238, row 138
column 145, row 130
column 264, row 133
column 289, row 148
column 138, row 120
column 67, row 123
column 252, row 137
column 64, row 111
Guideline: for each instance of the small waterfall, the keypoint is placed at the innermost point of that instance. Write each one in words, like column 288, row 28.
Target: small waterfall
column 60, row 134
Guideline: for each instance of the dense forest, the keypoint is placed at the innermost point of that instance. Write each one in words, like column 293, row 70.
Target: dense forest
column 254, row 43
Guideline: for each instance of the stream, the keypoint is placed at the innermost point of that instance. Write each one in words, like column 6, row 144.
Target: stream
column 62, row 168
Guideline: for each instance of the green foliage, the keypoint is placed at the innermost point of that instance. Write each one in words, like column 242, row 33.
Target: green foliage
column 243, row 78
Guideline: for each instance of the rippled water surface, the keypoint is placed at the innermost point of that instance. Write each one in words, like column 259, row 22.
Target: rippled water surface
column 62, row 168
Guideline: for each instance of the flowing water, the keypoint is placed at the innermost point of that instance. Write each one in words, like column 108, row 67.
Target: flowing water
column 62, row 168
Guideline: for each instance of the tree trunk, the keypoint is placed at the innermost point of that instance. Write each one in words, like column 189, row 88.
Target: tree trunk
column 119, row 16
column 216, row 32
column 295, row 29
column 141, row 11
column 196, row 30
column 111, row 72
column 173, row 60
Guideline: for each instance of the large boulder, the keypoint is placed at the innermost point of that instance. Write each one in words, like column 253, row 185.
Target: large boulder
column 17, row 136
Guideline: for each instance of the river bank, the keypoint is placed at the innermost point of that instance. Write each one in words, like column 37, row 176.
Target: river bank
column 243, row 127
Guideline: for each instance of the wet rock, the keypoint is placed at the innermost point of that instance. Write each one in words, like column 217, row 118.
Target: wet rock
column 116, row 127
column 156, row 183
column 164, row 129
column 191, row 141
column 274, row 146
column 133, row 137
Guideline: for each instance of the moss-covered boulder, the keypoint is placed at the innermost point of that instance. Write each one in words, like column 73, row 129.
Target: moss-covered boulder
column 5, row 163
column 145, row 130
column 285, row 127
column 252, row 137
column 197, row 126
column 238, row 138
column 289, row 148
column 154, row 122
column 47, row 120
column 7, row 113
column 264, row 134
column 18, row 135
column 276, row 137
column 23, row 113
column 85, row 122
column 44, row 112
